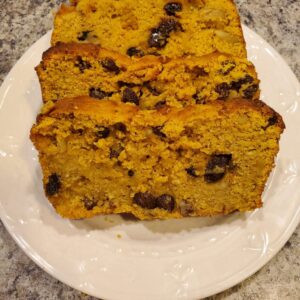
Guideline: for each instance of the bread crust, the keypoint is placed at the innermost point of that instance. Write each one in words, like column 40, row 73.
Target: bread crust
column 103, row 109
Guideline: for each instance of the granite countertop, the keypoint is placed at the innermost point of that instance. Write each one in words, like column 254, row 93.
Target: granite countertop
column 25, row 21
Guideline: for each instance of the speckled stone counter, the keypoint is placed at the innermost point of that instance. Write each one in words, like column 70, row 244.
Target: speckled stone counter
column 22, row 23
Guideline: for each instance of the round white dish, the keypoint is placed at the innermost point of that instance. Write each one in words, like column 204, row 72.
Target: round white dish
column 113, row 258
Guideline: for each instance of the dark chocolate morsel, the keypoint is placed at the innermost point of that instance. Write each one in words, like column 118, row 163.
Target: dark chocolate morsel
column 133, row 51
column 250, row 91
column 273, row 120
column 145, row 200
column 192, row 171
column 172, row 8
column 98, row 93
column 223, row 89
column 213, row 177
column 219, row 160
column 110, row 65
column 102, row 132
column 115, row 151
column 216, row 167
column 157, row 131
column 82, row 64
column 166, row 202
column 120, row 127
column 228, row 67
column 151, row 89
column 159, row 35
column 130, row 173
column 199, row 99
column 130, row 96
column 236, row 85
column 53, row 185
column 78, row 131
column 89, row 204
column 160, row 104
column 199, row 71
column 82, row 36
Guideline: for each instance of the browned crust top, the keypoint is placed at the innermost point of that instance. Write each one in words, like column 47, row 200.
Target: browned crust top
column 95, row 108
column 96, row 51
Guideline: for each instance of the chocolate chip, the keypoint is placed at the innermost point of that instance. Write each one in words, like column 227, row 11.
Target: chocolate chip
column 247, row 79
column 223, row 90
column 115, row 151
column 132, row 51
column 99, row 94
column 192, row 171
column 236, row 85
column 195, row 97
column 228, row 67
column 130, row 96
column 216, row 167
column 130, row 173
column 157, row 39
column 198, row 99
column 199, row 71
column 120, row 127
column 250, row 91
column 110, row 65
column 219, row 160
column 89, row 204
column 102, row 132
column 82, row 36
column 82, row 64
column 77, row 131
column 160, row 104
column 145, row 200
column 71, row 116
column 160, row 34
column 157, row 131
column 273, row 120
column 166, row 202
column 214, row 177
column 166, row 26
column 172, row 8
column 151, row 89
column 53, row 185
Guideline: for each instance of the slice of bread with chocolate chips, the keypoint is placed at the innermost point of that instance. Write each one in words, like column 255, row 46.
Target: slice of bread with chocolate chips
column 103, row 157
column 69, row 70
column 161, row 27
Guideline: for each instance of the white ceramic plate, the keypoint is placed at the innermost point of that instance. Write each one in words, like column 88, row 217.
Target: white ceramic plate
column 113, row 258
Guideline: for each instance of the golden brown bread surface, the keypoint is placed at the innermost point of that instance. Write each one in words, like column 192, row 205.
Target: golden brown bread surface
column 69, row 70
column 170, row 28
column 102, row 157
